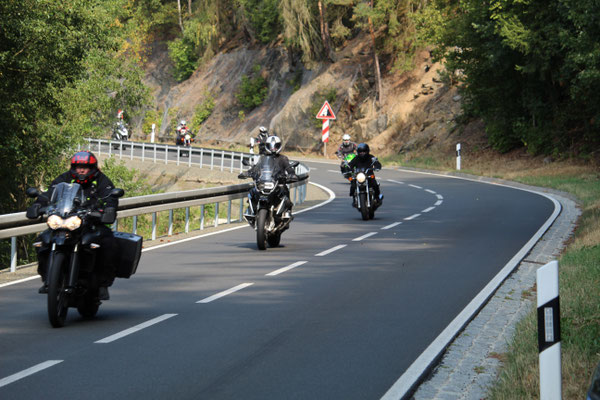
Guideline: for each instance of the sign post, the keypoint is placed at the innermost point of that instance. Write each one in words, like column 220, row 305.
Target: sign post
column 325, row 114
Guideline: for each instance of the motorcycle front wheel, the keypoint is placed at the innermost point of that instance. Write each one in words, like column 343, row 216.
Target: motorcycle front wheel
column 58, row 303
column 274, row 239
column 261, row 234
column 89, row 304
column 364, row 210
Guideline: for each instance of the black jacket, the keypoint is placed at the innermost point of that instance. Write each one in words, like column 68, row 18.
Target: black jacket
column 344, row 150
column 358, row 162
column 98, row 189
column 283, row 169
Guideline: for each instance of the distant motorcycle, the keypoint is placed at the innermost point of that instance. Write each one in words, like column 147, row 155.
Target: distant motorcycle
column 184, row 138
column 120, row 134
column 344, row 167
column 364, row 196
column 267, row 204
column 72, row 243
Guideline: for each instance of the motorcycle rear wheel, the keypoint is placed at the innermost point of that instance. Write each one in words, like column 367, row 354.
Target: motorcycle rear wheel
column 58, row 304
column 261, row 234
column 364, row 210
column 89, row 304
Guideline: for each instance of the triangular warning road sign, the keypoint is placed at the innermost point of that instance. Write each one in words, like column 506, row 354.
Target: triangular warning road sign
column 326, row 112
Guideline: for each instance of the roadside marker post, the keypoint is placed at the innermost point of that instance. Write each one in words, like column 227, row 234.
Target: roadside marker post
column 458, row 156
column 548, row 313
column 325, row 114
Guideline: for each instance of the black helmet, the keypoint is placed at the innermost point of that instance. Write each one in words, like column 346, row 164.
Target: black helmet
column 84, row 159
column 362, row 150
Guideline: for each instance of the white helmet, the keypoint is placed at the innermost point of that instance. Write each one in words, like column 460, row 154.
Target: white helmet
column 182, row 122
column 346, row 137
column 273, row 145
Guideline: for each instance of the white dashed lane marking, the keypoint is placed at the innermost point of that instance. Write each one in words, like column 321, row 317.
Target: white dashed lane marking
column 412, row 217
column 391, row 225
column 225, row 293
column 284, row 269
column 331, row 250
column 358, row 239
column 428, row 209
column 29, row 371
column 134, row 329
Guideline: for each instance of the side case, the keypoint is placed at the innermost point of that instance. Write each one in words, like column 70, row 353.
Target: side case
column 130, row 250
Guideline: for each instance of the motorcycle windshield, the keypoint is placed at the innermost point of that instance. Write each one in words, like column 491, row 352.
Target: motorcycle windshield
column 65, row 198
column 266, row 165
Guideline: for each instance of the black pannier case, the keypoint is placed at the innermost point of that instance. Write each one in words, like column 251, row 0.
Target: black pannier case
column 129, row 251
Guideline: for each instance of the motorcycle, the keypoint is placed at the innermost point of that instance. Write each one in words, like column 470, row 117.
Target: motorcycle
column 268, row 203
column 345, row 167
column 364, row 195
column 71, row 244
column 120, row 134
column 184, row 138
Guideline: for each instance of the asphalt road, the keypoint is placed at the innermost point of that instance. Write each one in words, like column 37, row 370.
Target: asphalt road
column 339, row 311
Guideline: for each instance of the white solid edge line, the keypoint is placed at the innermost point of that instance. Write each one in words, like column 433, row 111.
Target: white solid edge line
column 224, row 293
column 439, row 196
column 358, row 239
column 284, row 269
column 430, row 191
column 391, row 225
column 428, row 209
column 408, row 381
column 437, row 203
column 334, row 171
column 134, row 329
column 29, row 371
column 331, row 250
column 412, row 217
column 19, row 281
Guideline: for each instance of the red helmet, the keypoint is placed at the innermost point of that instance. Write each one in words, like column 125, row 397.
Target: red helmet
column 84, row 159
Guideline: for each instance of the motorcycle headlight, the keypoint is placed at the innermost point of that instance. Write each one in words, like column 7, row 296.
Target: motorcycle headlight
column 55, row 222
column 361, row 177
column 266, row 186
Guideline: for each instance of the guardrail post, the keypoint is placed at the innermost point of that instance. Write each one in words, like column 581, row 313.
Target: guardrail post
column 187, row 219
column 154, row 153
column 131, row 152
column 202, row 217
column 295, row 201
column 190, row 157
column 222, row 159
column 171, row 222
column 241, row 209
column 229, row 212
column 232, row 157
column 120, row 150
column 143, row 150
column 212, row 158
column 166, row 154
column 110, row 148
column 135, row 217
column 201, row 155
column 154, row 226
column 216, row 214
column 13, row 254
column 178, row 153
column 99, row 147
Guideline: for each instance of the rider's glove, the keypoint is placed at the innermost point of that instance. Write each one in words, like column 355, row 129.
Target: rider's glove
column 244, row 175
column 109, row 215
column 33, row 211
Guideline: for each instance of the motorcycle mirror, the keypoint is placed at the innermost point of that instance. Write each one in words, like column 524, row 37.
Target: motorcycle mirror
column 294, row 164
column 117, row 192
column 32, row 192
column 245, row 162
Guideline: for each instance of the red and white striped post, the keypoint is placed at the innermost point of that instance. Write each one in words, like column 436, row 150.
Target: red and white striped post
column 326, row 113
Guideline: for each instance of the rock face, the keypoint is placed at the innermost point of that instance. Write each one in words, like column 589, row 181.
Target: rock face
column 417, row 109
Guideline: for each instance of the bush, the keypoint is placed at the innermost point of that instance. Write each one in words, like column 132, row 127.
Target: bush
column 203, row 111
column 185, row 60
column 253, row 91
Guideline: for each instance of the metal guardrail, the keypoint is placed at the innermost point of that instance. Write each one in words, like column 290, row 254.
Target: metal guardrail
column 16, row 224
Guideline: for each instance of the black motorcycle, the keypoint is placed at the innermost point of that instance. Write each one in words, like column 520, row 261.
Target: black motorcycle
column 71, row 244
column 365, row 200
column 268, row 203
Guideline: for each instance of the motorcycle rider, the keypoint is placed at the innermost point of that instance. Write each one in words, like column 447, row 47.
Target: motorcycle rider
column 346, row 147
column 364, row 159
column 96, row 188
column 283, row 172
column 260, row 140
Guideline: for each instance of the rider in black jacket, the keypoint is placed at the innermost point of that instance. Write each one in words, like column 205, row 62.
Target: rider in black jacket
column 284, row 172
column 364, row 159
column 96, row 187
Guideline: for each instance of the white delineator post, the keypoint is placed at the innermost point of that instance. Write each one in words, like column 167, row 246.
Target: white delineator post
column 548, row 312
column 153, row 130
column 458, row 156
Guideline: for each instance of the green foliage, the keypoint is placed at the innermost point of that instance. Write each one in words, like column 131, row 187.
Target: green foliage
column 152, row 117
column 253, row 90
column 185, row 60
column 264, row 18
column 203, row 111
column 530, row 70
column 300, row 29
column 296, row 81
column 127, row 179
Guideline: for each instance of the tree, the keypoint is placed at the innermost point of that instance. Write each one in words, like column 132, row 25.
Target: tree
column 299, row 29
column 364, row 14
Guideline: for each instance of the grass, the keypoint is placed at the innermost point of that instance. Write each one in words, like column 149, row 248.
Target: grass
column 579, row 277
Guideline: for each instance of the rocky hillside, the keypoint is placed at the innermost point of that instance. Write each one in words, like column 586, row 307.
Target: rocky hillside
column 417, row 112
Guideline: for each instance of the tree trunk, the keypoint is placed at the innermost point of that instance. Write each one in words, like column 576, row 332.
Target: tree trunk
column 324, row 30
column 179, row 10
column 375, row 60
column 190, row 7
